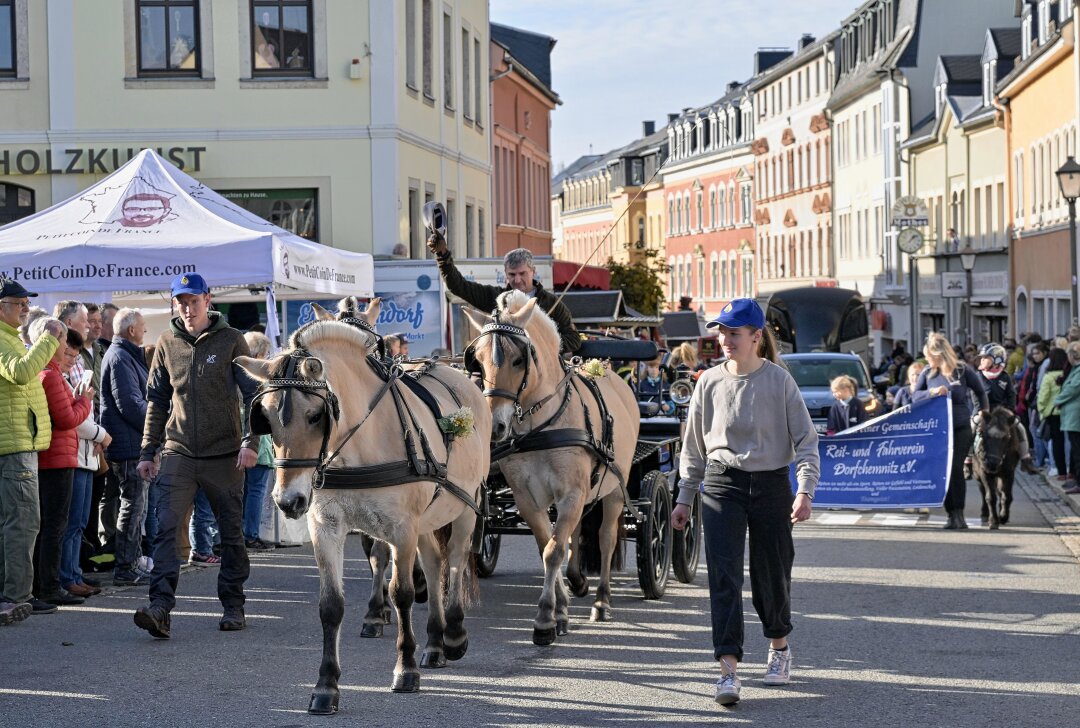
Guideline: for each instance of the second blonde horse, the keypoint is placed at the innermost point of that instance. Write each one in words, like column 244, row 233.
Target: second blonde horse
column 529, row 391
column 332, row 412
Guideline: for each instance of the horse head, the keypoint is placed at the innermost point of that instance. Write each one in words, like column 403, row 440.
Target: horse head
column 298, row 408
column 998, row 440
column 516, row 355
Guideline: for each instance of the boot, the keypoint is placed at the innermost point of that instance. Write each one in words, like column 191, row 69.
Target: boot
column 961, row 522
column 950, row 524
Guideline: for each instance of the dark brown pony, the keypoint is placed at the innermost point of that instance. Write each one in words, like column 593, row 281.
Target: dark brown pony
column 996, row 457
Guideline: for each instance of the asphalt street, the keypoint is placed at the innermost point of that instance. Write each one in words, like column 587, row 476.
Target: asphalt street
column 897, row 623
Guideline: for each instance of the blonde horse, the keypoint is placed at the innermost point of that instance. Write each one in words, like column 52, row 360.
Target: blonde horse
column 357, row 448
column 561, row 456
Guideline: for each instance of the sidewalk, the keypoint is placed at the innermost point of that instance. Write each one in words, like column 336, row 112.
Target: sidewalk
column 1061, row 510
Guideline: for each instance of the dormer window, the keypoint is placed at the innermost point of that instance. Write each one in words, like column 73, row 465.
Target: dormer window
column 1044, row 20
column 939, row 99
column 1025, row 35
column 989, row 75
column 1064, row 10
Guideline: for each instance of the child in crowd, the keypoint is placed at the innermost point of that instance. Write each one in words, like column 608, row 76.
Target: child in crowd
column 848, row 410
column 903, row 395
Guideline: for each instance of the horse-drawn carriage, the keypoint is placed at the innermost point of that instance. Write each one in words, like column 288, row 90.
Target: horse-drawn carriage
column 651, row 485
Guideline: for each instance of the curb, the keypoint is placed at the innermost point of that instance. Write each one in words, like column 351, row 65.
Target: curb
column 1061, row 511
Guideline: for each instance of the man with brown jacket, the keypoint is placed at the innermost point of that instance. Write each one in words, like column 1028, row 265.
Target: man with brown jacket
column 193, row 418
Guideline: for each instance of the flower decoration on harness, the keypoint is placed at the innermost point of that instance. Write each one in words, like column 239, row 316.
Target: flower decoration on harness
column 458, row 423
column 594, row 368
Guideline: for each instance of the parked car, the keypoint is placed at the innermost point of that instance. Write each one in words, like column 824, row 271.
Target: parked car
column 813, row 372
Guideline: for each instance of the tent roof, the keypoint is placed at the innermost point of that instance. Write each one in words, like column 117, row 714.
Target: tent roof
column 148, row 222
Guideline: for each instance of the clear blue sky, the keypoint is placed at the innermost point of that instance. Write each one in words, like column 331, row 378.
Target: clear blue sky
column 619, row 62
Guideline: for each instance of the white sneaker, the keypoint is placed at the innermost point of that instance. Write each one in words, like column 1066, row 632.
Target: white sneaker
column 727, row 689
column 145, row 563
column 779, row 669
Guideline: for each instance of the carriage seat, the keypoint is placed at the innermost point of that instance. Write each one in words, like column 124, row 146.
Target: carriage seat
column 648, row 409
column 619, row 349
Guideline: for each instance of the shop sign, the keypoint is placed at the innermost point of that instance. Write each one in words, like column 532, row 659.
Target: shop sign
column 910, row 211
column 90, row 160
column 954, row 285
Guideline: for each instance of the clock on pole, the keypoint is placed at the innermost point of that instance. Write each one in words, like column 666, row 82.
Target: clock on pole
column 910, row 240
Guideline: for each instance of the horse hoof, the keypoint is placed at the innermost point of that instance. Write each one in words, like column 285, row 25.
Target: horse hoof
column 457, row 652
column 994, row 526
column 323, row 703
column 579, row 588
column 406, row 682
column 543, row 637
column 371, row 630
column 600, row 614
column 562, row 627
column 432, row 659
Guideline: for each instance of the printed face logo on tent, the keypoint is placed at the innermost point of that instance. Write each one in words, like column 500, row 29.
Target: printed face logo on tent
column 143, row 205
column 285, row 263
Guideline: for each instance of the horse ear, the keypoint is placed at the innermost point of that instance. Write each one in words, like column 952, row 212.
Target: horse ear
column 312, row 368
column 257, row 369
column 321, row 314
column 477, row 319
column 525, row 313
column 371, row 313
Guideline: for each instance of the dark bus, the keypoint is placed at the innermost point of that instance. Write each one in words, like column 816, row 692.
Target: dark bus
column 818, row 319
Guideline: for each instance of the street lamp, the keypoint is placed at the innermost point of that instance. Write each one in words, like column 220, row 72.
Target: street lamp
column 967, row 259
column 1069, row 181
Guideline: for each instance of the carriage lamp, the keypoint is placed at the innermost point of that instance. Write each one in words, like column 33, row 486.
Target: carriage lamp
column 1069, row 181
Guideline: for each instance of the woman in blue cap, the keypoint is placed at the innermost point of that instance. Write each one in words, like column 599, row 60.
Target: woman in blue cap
column 747, row 423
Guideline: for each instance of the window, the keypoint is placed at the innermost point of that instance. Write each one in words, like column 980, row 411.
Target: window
column 448, row 61
column 678, row 214
column 723, row 291
column 167, row 39
column 746, row 204
column 466, row 75
column 875, row 130
column 481, row 234
column 700, row 218
column 670, row 217
column 410, row 43
column 428, row 41
column 451, row 216
column 15, row 202
column 415, row 249
column 712, row 208
column 701, row 277
column 296, row 210
column 281, row 43
column 478, row 92
column 470, row 234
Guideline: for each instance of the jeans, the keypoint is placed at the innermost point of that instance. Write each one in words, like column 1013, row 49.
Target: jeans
column 181, row 477
column 108, row 509
column 20, row 519
column 255, row 481
column 203, row 531
column 956, row 493
column 733, row 503
column 82, row 489
column 54, row 493
column 150, row 523
column 1074, row 453
column 129, row 522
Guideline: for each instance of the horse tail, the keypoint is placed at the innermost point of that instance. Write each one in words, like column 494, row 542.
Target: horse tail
column 589, row 541
column 470, row 578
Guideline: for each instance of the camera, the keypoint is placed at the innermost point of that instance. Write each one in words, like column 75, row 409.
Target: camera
column 435, row 218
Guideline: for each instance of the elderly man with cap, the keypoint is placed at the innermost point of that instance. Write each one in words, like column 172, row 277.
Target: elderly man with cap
column 193, row 419
column 25, row 429
column 520, row 272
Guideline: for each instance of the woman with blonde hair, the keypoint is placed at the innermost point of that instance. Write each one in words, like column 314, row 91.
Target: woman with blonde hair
column 946, row 376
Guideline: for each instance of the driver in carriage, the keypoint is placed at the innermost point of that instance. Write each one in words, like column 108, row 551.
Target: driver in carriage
column 520, row 270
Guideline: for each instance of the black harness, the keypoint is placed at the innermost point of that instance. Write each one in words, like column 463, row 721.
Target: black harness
column 416, row 467
column 542, row 437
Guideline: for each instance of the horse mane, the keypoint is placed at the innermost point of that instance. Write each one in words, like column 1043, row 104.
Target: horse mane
column 1002, row 416
column 514, row 300
column 328, row 331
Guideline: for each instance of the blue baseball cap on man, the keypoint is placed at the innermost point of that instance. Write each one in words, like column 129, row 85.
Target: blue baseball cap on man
column 740, row 312
column 189, row 283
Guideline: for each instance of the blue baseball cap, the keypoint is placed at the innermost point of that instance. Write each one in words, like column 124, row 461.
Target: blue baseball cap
column 740, row 312
column 189, row 283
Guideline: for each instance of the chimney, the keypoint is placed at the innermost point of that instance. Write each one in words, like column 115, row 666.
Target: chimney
column 648, row 128
column 732, row 85
column 672, row 117
column 806, row 40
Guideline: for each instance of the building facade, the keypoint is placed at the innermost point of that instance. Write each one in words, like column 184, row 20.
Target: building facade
column 522, row 101
column 792, row 170
column 708, row 193
column 1039, row 102
column 334, row 120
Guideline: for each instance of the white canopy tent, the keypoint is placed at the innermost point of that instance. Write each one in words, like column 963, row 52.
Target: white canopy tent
column 148, row 222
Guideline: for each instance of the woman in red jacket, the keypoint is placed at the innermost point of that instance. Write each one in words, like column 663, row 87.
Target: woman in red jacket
column 56, row 466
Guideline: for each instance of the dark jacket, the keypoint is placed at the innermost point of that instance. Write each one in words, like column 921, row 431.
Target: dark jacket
column 1000, row 391
column 123, row 398
column 482, row 297
column 843, row 417
column 196, row 378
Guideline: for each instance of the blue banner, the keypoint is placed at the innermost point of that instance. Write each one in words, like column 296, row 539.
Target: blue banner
column 898, row 460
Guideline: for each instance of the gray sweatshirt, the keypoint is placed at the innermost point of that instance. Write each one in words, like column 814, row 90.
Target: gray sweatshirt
column 751, row 422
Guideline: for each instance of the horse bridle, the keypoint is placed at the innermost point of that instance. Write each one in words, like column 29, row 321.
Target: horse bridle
column 360, row 323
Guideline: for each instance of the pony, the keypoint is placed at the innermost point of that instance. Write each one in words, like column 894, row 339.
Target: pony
column 568, row 441
column 357, row 447
column 996, row 456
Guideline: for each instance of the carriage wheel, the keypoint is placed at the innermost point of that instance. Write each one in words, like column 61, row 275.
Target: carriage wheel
column 654, row 535
column 489, row 554
column 686, row 545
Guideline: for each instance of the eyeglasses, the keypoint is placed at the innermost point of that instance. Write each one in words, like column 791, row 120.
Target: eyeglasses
column 20, row 304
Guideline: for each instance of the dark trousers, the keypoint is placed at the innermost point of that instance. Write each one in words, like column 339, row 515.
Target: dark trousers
column 734, row 502
column 956, row 493
column 1057, row 444
column 54, row 497
column 109, row 508
column 223, row 484
column 1074, row 453
column 129, row 523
